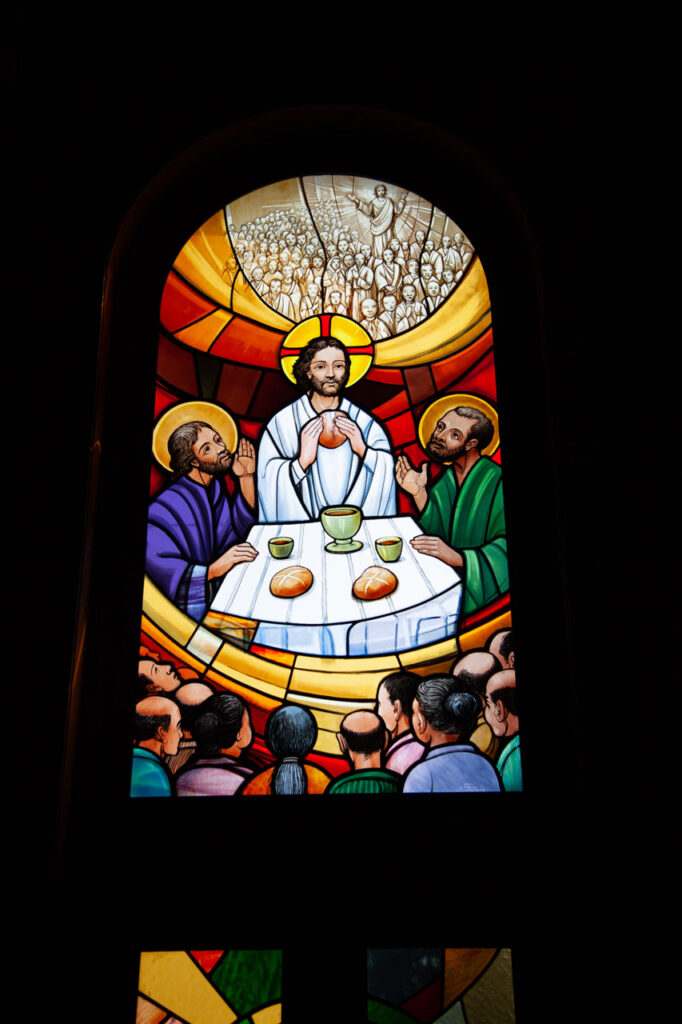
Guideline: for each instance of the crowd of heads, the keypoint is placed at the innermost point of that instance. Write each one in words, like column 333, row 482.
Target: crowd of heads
column 302, row 269
column 203, row 737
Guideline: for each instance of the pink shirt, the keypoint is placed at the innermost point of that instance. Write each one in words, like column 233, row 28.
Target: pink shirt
column 403, row 753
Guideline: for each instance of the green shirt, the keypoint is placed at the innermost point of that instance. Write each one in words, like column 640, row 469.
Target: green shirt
column 509, row 766
column 471, row 520
column 367, row 780
column 149, row 777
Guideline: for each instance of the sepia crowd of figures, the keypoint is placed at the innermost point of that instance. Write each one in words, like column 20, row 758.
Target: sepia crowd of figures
column 389, row 278
column 456, row 732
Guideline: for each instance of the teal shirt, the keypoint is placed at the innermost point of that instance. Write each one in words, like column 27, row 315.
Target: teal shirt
column 149, row 777
column 367, row 780
column 509, row 766
column 471, row 520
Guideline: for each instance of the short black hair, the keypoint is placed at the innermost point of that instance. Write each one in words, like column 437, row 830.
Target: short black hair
column 218, row 724
column 506, row 644
column 302, row 364
column 448, row 705
column 402, row 686
column 365, row 742
column 482, row 428
column 507, row 695
column 147, row 725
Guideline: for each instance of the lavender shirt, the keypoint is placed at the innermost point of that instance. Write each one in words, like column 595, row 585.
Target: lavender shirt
column 212, row 776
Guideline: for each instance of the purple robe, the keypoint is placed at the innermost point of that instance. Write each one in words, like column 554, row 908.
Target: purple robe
column 189, row 526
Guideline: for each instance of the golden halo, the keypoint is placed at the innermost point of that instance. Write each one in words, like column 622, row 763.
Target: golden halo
column 437, row 409
column 174, row 417
column 329, row 325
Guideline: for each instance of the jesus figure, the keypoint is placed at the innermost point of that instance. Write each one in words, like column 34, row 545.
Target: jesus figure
column 298, row 475
column 382, row 213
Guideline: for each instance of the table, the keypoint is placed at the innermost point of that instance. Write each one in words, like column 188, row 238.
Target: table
column 328, row 619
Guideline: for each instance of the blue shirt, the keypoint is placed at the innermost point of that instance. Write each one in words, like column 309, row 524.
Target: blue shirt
column 452, row 768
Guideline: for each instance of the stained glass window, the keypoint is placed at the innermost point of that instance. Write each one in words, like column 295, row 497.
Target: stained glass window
column 210, row 987
column 440, row 986
column 316, row 527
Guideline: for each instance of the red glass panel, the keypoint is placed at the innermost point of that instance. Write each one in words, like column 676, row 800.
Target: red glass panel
column 181, row 304
column 176, row 365
column 207, row 959
column 245, row 342
column 237, row 386
column 399, row 403
column 454, row 367
column 481, row 380
column 401, row 428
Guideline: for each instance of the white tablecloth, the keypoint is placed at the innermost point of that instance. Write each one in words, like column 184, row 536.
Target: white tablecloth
column 328, row 619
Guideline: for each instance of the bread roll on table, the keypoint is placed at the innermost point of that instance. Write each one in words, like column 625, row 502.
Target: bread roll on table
column 374, row 582
column 291, row 582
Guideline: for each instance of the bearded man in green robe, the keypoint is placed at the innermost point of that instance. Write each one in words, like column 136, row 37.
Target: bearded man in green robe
column 462, row 514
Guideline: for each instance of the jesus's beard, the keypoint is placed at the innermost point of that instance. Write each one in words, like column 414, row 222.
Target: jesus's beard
column 328, row 388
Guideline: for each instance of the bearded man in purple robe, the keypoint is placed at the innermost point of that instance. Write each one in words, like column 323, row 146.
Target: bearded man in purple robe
column 193, row 531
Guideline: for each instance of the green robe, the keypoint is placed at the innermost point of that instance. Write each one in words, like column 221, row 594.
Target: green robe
column 472, row 522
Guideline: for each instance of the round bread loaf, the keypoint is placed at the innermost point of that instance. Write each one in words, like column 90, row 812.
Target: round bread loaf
column 331, row 436
column 291, row 582
column 374, row 582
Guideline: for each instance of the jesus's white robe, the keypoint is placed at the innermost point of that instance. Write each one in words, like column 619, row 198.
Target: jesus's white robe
column 337, row 477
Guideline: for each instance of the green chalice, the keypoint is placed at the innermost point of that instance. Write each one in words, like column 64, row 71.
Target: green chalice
column 342, row 522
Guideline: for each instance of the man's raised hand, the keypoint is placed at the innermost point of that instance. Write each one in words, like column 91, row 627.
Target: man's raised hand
column 308, row 442
column 411, row 480
column 237, row 553
column 245, row 460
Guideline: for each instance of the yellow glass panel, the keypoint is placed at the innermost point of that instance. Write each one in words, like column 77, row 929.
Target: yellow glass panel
column 327, row 743
column 247, row 693
column 456, row 323
column 204, row 332
column 163, row 612
column 268, row 676
column 355, row 334
column 173, row 980
column 425, row 655
column 347, row 684
column 203, row 259
column 440, row 666
column 384, row 663
column 493, row 991
column 331, row 720
column 268, row 1015
column 308, row 330
column 329, row 705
